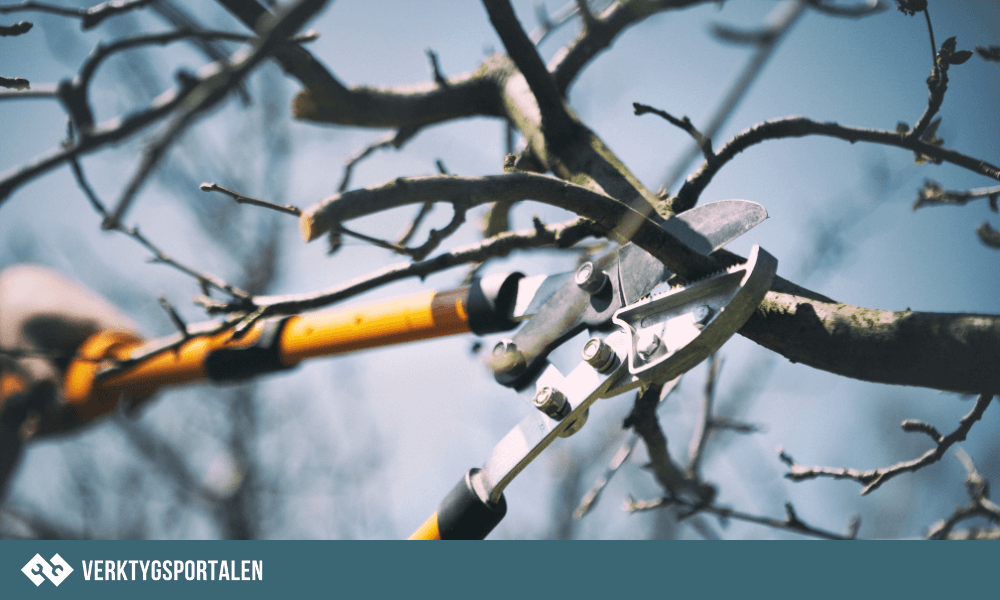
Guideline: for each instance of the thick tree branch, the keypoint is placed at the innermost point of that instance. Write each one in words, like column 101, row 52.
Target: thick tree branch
column 956, row 352
column 589, row 500
column 669, row 475
column 555, row 119
column 946, row 351
column 606, row 211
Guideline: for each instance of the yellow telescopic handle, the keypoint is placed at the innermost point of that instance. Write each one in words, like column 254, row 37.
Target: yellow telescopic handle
column 427, row 531
column 398, row 320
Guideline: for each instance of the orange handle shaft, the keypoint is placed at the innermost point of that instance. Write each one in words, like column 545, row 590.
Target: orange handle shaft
column 427, row 531
column 394, row 321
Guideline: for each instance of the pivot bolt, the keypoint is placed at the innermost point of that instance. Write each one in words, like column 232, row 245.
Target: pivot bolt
column 591, row 279
column 599, row 355
column 648, row 345
column 702, row 315
column 551, row 402
column 507, row 359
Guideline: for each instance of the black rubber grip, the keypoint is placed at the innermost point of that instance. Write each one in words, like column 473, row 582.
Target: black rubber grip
column 463, row 516
column 491, row 303
column 264, row 356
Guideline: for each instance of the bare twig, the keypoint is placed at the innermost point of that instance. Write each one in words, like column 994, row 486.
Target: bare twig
column 790, row 523
column 114, row 131
column 211, row 90
column 371, row 240
column 89, row 17
column 988, row 235
column 287, row 209
column 395, row 140
column 158, row 255
column 933, row 194
column 705, row 422
column 101, row 52
column 605, row 210
column 862, row 9
column 19, row 28
column 669, row 475
column 589, row 500
column 978, row 489
column 425, row 209
column 411, row 229
column 439, row 78
column 39, row 91
column 562, row 235
column 792, row 127
column 547, row 23
column 703, row 142
column 937, row 83
column 15, row 83
column 588, row 18
column 175, row 318
column 436, row 236
column 873, row 479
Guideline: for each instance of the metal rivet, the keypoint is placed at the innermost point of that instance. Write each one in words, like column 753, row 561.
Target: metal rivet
column 702, row 315
column 551, row 402
column 590, row 279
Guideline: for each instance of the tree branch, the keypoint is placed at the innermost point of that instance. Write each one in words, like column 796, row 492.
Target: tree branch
column 89, row 17
column 956, row 352
column 790, row 523
column 932, row 194
column 589, row 500
column 394, row 140
column 793, row 127
column 555, row 119
column 19, row 28
column 212, row 89
column 561, row 235
column 703, row 142
column 978, row 489
column 204, row 279
column 874, row 479
column 603, row 30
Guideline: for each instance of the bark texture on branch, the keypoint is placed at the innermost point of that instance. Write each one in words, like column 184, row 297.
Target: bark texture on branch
column 948, row 351
column 954, row 352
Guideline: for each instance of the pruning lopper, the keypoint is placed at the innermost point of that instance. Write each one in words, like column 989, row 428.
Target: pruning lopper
column 652, row 339
column 638, row 340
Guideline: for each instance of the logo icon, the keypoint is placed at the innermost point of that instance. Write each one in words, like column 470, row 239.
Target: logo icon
column 55, row 569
